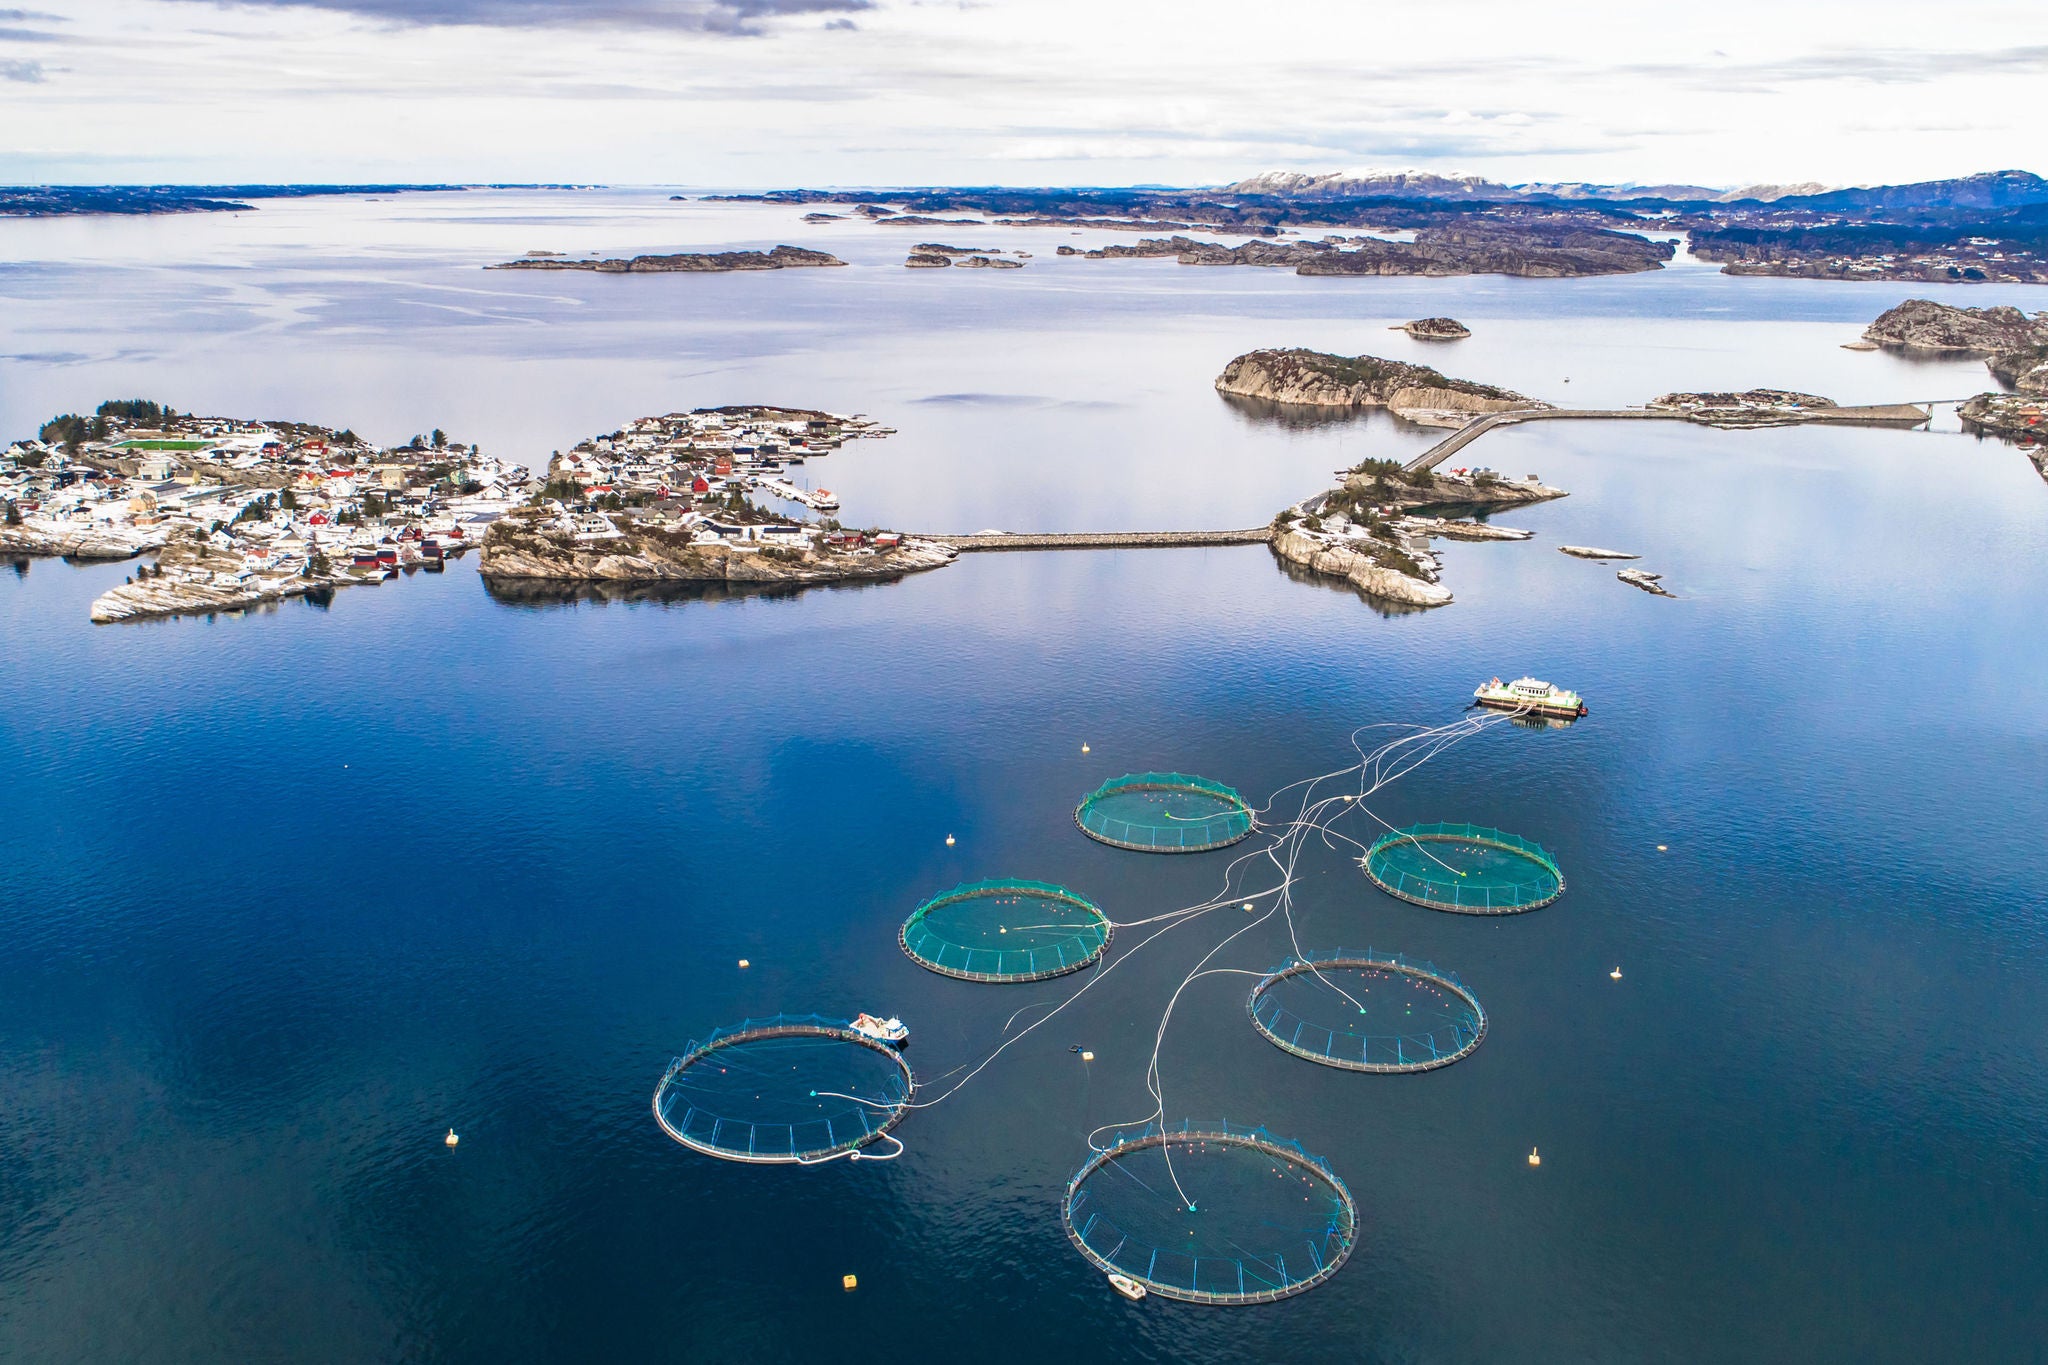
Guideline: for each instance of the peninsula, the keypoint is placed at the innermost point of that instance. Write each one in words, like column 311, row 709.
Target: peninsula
column 2014, row 345
column 692, row 262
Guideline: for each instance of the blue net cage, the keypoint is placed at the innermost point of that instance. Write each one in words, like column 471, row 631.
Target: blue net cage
column 1164, row 813
column 1006, row 930
column 786, row 1089
column 1211, row 1212
column 1467, row 869
column 1367, row 1011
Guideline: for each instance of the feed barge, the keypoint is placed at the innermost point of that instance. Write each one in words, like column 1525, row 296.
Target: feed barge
column 1531, row 696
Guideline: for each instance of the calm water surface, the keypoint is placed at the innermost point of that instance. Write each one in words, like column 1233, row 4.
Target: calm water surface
column 283, row 897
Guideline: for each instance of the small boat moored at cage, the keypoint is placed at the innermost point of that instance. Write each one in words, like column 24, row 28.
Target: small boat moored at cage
column 1530, row 696
column 891, row 1030
column 1128, row 1287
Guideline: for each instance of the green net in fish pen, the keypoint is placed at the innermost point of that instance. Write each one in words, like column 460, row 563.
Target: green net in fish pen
column 1467, row 869
column 1007, row 930
column 1164, row 813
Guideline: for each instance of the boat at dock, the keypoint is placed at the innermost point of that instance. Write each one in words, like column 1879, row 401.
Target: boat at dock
column 1530, row 696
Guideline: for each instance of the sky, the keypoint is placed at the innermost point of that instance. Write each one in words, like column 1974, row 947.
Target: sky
column 766, row 93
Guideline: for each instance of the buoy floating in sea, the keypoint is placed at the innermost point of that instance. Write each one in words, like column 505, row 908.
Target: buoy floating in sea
column 1087, row 1056
column 949, row 841
column 744, row 963
column 849, row 1283
column 1662, row 849
column 1534, row 1160
column 1615, row 974
column 1084, row 748
column 451, row 1139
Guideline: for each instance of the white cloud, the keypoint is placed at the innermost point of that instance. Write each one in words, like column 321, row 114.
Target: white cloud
column 781, row 92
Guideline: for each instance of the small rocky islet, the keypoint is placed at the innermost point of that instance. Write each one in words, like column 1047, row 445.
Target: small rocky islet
column 683, row 263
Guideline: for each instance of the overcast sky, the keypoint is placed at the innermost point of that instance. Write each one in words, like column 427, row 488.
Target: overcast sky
column 852, row 92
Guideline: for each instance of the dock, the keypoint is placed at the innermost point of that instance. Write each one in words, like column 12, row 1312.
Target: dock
column 1882, row 414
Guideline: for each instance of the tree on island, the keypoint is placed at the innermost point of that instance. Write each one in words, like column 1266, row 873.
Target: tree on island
column 13, row 517
column 288, row 500
column 440, row 439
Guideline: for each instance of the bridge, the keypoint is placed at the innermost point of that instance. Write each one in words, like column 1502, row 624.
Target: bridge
column 1099, row 540
column 1883, row 414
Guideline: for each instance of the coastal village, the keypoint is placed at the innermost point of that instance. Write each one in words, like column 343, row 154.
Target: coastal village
column 237, row 513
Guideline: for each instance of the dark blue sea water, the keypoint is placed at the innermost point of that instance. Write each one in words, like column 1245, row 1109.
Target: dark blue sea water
column 284, row 897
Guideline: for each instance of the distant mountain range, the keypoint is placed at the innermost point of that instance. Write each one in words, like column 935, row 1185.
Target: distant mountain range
column 1991, row 189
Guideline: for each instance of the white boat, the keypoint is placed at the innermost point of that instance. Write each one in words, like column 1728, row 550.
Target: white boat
column 1530, row 695
column 1126, row 1286
column 891, row 1030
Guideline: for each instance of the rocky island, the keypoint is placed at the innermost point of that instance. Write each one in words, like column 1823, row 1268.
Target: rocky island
column 935, row 255
column 1436, row 329
column 1416, row 393
column 671, row 500
column 237, row 512
column 1371, row 531
column 692, row 262
column 1528, row 249
column 2014, row 345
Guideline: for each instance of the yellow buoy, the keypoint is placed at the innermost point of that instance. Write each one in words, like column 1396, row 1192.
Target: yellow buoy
column 745, row 963
column 949, row 841
column 451, row 1139
column 1662, row 849
column 1087, row 1056
column 850, row 1282
column 1084, row 748
column 1247, row 907
column 1534, row 1160
column 1616, row 973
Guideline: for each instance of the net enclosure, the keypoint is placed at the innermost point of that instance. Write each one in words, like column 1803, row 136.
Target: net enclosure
column 1367, row 1011
column 786, row 1089
column 1006, row 930
column 1468, row 869
column 1210, row 1212
column 1164, row 813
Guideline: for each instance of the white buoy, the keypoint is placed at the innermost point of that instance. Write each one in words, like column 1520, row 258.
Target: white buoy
column 451, row 1139
column 744, row 963
column 1534, row 1160
column 1662, row 849
column 1615, row 974
column 1084, row 748
column 1087, row 1056
column 949, row 841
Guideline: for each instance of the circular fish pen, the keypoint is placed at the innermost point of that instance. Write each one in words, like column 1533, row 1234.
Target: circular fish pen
column 1367, row 1011
column 1006, row 930
column 1211, row 1213
column 791, row 1089
column 1465, row 869
column 1164, row 813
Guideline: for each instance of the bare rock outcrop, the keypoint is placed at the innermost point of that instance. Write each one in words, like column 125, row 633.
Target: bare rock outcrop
column 86, row 542
column 1359, row 569
column 1436, row 329
column 2015, row 345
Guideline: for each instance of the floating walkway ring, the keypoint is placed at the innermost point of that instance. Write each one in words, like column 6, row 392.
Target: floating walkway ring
column 844, row 1124
column 1110, row 1249
column 1164, row 813
column 1515, row 875
column 1400, row 1052
column 1007, row 930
